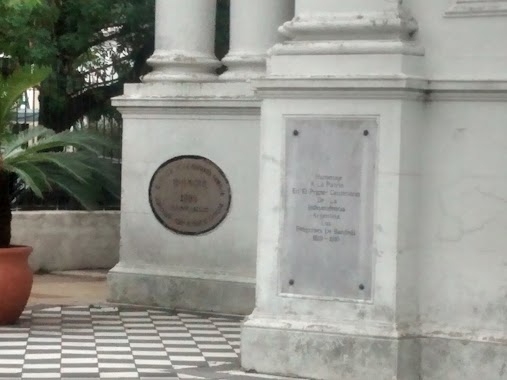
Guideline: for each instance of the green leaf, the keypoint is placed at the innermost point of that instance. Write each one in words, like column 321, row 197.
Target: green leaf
column 26, row 3
column 33, row 177
column 73, row 164
column 13, row 86
column 25, row 137
column 86, row 194
column 80, row 171
column 84, row 140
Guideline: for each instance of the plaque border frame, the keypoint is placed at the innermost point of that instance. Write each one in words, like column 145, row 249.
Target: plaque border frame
column 192, row 156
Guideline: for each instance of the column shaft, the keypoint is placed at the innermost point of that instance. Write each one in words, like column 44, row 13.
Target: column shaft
column 184, row 41
column 254, row 29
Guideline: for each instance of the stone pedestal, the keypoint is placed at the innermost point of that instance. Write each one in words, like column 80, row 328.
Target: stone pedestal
column 188, row 236
column 336, row 279
column 209, row 271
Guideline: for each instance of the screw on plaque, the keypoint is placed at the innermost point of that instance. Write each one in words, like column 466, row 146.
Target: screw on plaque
column 361, row 287
column 291, row 282
column 366, row 133
column 295, row 132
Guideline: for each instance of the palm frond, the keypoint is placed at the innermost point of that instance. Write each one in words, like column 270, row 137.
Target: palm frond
column 108, row 175
column 14, row 85
column 73, row 164
column 19, row 140
column 45, row 160
column 86, row 194
column 82, row 174
column 84, row 140
column 34, row 178
column 45, row 139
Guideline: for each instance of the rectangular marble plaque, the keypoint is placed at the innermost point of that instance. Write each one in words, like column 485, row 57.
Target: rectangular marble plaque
column 327, row 242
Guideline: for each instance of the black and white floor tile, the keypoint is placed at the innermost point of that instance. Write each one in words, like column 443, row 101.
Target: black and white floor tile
column 105, row 342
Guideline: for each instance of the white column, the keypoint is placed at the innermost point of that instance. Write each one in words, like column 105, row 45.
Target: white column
column 254, row 29
column 184, row 41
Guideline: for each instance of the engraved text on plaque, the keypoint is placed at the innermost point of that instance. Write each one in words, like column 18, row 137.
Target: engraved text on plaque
column 190, row 195
column 330, row 170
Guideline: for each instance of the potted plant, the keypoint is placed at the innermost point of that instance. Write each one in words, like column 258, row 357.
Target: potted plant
column 43, row 161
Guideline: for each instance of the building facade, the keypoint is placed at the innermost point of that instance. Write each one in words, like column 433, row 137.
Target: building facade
column 363, row 143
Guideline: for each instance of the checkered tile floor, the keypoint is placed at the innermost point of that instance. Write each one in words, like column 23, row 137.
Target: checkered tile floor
column 120, row 343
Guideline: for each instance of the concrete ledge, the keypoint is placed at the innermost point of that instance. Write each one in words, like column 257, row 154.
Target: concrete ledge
column 183, row 293
column 68, row 240
column 462, row 359
column 331, row 356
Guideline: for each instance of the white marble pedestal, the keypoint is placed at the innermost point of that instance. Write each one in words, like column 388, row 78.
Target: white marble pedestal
column 336, row 263
column 214, row 271
column 336, row 283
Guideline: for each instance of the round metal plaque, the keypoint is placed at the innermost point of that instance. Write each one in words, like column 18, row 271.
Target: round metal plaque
column 190, row 195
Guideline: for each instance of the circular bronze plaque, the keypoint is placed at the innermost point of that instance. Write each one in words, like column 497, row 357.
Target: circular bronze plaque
column 190, row 195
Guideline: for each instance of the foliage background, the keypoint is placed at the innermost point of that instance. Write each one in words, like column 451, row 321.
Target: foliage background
column 93, row 47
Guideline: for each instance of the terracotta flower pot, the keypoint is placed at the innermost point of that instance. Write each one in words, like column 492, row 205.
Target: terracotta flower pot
column 16, row 280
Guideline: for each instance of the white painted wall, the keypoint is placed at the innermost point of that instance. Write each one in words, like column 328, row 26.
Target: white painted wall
column 68, row 240
column 463, row 213
column 463, row 194
column 461, row 47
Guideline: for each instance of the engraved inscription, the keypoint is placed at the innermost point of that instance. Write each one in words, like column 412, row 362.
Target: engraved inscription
column 190, row 195
column 325, row 206
column 478, row 8
column 329, row 193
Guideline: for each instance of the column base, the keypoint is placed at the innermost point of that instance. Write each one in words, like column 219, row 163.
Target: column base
column 244, row 66
column 311, row 351
column 327, row 355
column 180, row 292
column 181, row 66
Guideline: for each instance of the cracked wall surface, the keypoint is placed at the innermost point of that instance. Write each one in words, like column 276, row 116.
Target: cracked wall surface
column 463, row 266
